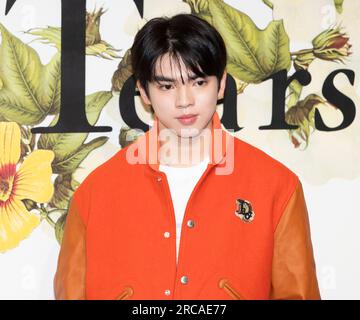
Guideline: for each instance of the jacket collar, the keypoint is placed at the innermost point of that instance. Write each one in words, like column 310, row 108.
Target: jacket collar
column 148, row 144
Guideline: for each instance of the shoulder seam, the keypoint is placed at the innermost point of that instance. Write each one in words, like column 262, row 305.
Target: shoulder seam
column 286, row 202
column 78, row 208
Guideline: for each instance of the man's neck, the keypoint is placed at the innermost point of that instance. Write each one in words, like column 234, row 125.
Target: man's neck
column 185, row 151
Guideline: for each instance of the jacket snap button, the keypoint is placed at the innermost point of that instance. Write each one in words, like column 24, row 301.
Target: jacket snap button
column 167, row 234
column 184, row 279
column 222, row 283
column 190, row 223
column 159, row 179
column 167, row 292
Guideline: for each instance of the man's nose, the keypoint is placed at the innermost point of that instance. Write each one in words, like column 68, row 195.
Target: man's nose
column 184, row 97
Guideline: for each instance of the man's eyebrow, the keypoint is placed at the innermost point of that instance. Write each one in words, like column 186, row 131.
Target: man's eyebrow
column 159, row 78
column 194, row 76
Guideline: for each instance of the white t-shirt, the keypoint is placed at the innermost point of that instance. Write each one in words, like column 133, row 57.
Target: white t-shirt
column 181, row 183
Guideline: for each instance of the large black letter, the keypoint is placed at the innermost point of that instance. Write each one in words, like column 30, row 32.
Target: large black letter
column 127, row 103
column 72, row 116
column 9, row 5
column 280, row 84
column 229, row 117
column 140, row 7
column 339, row 100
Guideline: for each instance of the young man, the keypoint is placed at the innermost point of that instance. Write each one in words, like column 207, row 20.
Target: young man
column 187, row 211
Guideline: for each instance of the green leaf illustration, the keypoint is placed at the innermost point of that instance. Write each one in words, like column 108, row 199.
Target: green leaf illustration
column 339, row 5
column 295, row 89
column 269, row 4
column 67, row 145
column 29, row 204
column 303, row 59
column 253, row 54
column 71, row 163
column 302, row 114
column 103, row 50
column 65, row 185
column 59, row 227
column 48, row 35
column 200, row 8
column 128, row 136
column 30, row 91
column 52, row 35
column 123, row 72
column 50, row 88
column 27, row 141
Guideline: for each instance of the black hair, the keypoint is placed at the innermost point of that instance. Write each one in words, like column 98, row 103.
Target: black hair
column 184, row 36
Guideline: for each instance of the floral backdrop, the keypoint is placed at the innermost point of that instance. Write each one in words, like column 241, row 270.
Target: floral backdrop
column 40, row 172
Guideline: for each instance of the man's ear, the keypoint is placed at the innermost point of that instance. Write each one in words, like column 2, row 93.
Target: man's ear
column 143, row 94
column 222, row 85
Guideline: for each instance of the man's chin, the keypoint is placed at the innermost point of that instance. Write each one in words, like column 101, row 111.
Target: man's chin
column 183, row 131
column 188, row 132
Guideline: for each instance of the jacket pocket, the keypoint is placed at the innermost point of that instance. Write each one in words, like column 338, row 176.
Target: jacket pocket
column 229, row 289
column 126, row 293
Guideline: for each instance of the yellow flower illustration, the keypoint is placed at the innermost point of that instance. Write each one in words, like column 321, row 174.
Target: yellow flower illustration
column 28, row 180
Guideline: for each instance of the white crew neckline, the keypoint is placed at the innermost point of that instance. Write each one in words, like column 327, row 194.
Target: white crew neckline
column 201, row 163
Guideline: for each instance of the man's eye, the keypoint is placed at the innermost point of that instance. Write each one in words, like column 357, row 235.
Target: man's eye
column 200, row 82
column 166, row 87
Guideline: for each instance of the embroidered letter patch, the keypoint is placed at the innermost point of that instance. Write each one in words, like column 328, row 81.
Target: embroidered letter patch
column 244, row 210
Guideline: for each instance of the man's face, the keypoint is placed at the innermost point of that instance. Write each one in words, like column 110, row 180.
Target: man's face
column 172, row 99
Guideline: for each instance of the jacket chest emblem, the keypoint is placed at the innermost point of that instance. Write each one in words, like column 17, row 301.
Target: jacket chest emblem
column 244, row 210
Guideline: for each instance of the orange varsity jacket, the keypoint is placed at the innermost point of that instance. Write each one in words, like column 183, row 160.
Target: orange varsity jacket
column 245, row 235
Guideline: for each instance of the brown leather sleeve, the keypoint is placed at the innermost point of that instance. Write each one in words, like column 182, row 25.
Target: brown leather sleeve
column 294, row 270
column 69, row 281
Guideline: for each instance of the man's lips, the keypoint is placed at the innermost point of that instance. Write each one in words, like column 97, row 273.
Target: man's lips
column 187, row 119
column 187, row 116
